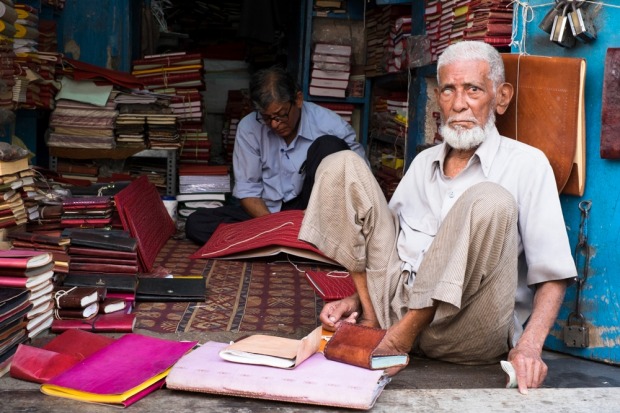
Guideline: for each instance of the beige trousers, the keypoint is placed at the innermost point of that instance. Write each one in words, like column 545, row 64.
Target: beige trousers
column 469, row 271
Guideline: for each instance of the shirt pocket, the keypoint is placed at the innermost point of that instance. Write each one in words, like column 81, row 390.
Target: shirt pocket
column 424, row 223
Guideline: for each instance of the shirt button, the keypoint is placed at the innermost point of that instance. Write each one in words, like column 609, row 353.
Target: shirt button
column 451, row 194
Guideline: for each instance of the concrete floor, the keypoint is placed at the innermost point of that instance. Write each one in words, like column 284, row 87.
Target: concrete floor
column 572, row 385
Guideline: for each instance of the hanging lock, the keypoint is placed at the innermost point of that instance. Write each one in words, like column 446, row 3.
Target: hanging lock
column 546, row 24
column 576, row 335
column 581, row 23
column 560, row 32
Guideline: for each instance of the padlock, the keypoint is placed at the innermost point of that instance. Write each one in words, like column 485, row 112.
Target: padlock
column 576, row 335
column 560, row 32
column 581, row 24
column 546, row 24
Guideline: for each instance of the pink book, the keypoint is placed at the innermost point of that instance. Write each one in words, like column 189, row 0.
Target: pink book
column 316, row 381
column 121, row 373
column 24, row 258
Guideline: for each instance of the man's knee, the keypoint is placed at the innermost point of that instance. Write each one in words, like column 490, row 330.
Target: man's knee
column 491, row 196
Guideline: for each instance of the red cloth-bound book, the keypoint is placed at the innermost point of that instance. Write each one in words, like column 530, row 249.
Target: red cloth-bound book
column 260, row 237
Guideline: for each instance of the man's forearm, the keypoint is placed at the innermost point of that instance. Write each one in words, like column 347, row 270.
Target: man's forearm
column 547, row 302
column 255, row 207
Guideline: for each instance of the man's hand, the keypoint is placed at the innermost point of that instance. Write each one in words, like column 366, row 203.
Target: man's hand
column 335, row 312
column 528, row 364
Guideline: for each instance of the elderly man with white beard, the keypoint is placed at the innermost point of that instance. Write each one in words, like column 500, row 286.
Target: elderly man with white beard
column 469, row 261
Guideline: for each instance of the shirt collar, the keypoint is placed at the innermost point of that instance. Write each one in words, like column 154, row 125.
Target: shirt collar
column 303, row 124
column 486, row 153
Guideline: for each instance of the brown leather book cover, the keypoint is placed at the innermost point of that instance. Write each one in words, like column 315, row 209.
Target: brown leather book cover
column 610, row 111
column 548, row 112
column 75, row 297
column 356, row 344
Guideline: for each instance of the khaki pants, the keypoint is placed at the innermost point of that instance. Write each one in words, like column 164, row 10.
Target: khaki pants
column 469, row 271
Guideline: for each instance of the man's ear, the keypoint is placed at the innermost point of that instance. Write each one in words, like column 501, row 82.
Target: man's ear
column 299, row 99
column 503, row 97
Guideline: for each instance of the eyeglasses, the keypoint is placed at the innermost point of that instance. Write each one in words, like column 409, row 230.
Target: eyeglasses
column 267, row 120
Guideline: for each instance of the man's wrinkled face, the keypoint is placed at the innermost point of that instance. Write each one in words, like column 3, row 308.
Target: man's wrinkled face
column 466, row 98
column 281, row 117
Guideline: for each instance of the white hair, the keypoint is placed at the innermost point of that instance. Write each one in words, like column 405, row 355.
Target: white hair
column 467, row 51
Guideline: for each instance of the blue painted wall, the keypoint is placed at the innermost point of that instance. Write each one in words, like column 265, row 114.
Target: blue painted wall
column 105, row 33
column 599, row 296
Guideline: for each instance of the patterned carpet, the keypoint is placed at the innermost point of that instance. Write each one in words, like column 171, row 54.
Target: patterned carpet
column 242, row 296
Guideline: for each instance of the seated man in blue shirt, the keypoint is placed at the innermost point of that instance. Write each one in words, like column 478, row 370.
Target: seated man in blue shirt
column 277, row 150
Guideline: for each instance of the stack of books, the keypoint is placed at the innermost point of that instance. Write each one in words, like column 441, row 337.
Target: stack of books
column 31, row 271
column 89, row 306
column 12, row 210
column 82, row 125
column 490, row 21
column 38, row 85
column 103, row 258
column 131, row 121
column 195, row 148
column 81, row 170
column 86, row 212
column 379, row 23
column 180, row 76
column 162, row 131
column 331, row 67
column 237, row 106
column 397, row 56
column 345, row 110
column 201, row 186
column 48, row 36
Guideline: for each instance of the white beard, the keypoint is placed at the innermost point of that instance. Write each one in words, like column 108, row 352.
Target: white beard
column 464, row 139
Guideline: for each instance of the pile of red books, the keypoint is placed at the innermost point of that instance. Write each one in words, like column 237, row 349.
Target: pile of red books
column 92, row 212
column 385, row 38
column 26, row 299
column 331, row 67
column 345, row 110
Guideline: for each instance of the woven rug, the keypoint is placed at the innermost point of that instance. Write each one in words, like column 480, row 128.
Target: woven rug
column 242, row 296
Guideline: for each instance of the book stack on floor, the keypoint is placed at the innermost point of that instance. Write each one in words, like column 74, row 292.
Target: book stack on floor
column 331, row 67
column 14, row 176
column 103, row 258
column 379, row 22
column 89, row 308
column 33, row 271
column 201, row 186
column 14, row 305
column 91, row 212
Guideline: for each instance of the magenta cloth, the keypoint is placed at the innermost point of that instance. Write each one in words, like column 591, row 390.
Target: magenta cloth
column 121, row 366
column 144, row 215
column 316, row 381
column 279, row 229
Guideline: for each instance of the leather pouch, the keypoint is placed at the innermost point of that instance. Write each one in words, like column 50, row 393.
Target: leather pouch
column 356, row 344
column 171, row 289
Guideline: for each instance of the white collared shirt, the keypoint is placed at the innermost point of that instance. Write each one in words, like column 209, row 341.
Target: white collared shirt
column 425, row 195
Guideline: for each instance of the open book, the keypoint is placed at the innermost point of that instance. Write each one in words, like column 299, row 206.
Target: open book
column 273, row 351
